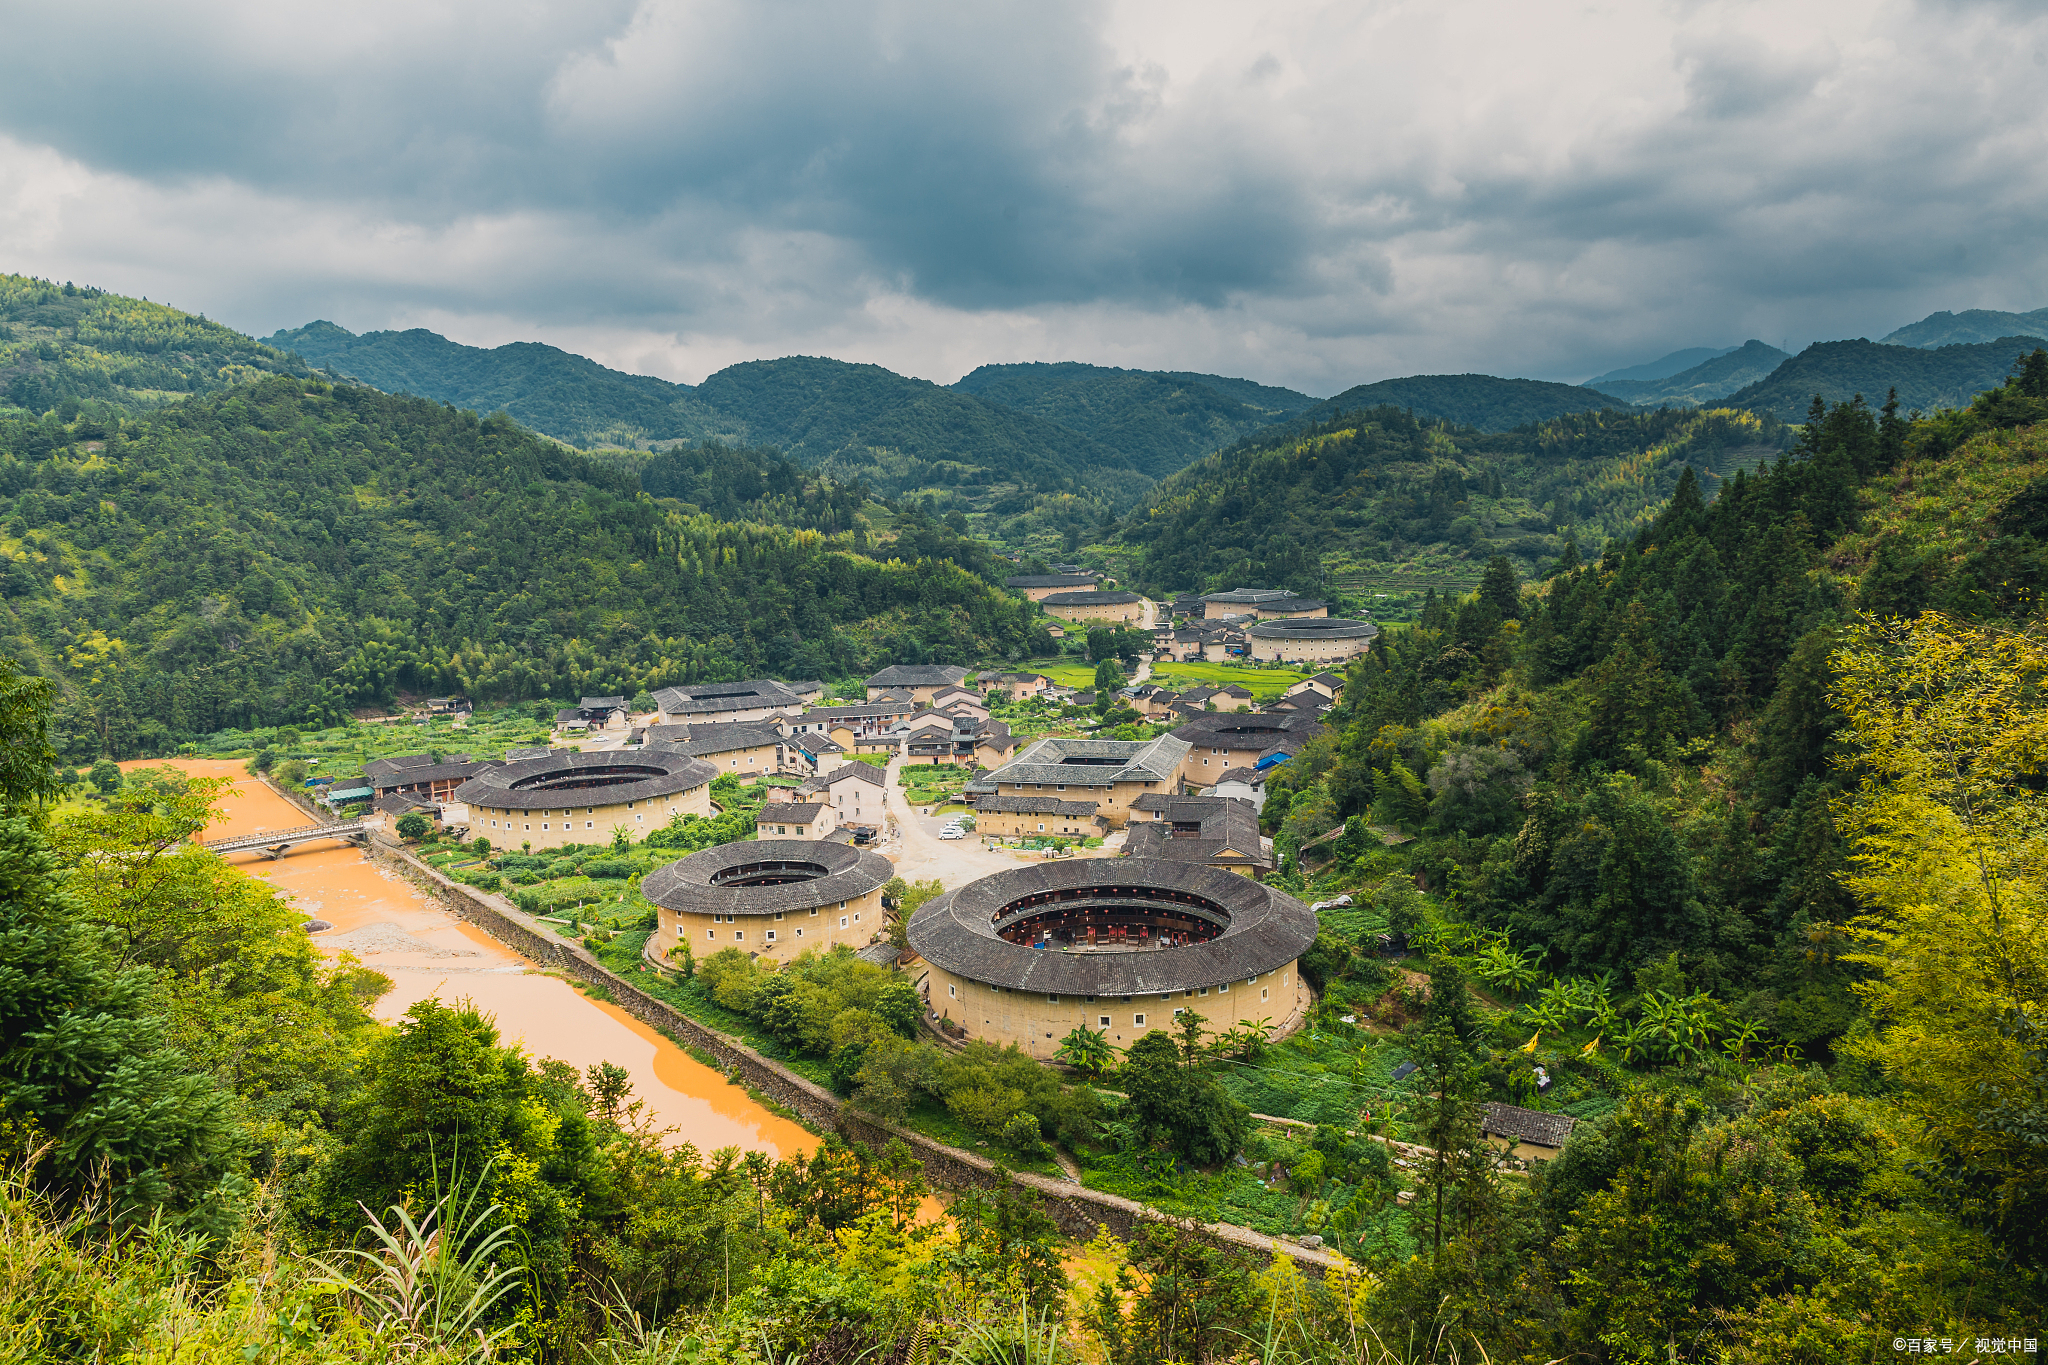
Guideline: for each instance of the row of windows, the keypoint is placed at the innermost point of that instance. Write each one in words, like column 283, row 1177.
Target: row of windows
column 1223, row 989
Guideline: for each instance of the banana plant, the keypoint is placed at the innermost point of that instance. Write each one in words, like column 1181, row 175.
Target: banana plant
column 1558, row 1006
column 1635, row 1040
column 1736, row 1044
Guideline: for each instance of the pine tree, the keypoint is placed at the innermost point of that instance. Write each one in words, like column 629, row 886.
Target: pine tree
column 1502, row 589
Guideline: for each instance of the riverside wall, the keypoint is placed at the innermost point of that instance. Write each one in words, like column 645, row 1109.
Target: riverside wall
column 1079, row 1212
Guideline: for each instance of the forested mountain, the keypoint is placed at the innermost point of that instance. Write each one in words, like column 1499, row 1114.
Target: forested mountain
column 64, row 345
column 1945, row 377
column 1712, row 379
column 1161, row 420
column 1379, row 493
column 563, row 395
column 1663, row 367
column 898, row 432
column 1967, row 327
column 290, row 549
column 1481, row 401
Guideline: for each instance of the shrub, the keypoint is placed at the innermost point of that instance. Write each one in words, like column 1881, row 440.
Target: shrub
column 414, row 826
column 610, row 867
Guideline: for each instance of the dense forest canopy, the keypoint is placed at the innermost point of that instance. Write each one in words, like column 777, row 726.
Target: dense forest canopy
column 1482, row 401
column 1924, row 380
column 1310, row 508
column 290, row 549
column 1161, row 420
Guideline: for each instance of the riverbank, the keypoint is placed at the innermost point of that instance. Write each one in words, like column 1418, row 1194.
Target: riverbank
column 381, row 916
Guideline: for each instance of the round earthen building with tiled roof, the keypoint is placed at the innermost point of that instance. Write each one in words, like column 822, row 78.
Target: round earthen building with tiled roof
column 1119, row 945
column 580, row 798
column 770, row 898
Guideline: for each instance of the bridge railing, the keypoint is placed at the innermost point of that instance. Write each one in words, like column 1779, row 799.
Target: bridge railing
column 266, row 837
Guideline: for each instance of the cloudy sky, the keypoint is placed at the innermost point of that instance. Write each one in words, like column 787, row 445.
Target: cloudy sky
column 1308, row 194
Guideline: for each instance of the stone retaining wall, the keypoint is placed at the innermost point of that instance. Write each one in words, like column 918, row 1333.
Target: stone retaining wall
column 1078, row 1211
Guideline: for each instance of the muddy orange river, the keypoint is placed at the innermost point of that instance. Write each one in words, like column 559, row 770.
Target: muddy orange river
column 426, row 951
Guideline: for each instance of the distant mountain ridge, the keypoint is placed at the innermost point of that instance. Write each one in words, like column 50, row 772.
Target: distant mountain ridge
column 1944, row 377
column 1971, row 326
column 543, row 387
column 1663, row 367
column 1482, row 401
column 1050, row 428
column 1704, row 383
column 1162, row 419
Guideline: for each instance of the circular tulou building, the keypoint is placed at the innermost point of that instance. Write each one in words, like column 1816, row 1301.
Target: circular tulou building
column 577, row 798
column 1119, row 945
column 1309, row 639
column 771, row 898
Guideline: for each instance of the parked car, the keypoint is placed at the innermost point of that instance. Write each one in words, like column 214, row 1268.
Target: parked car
column 952, row 832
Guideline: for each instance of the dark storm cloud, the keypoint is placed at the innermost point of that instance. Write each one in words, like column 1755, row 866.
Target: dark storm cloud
column 1315, row 195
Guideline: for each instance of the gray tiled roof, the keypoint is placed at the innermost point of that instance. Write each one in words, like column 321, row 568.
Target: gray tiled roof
column 847, row 873
column 656, row 773
column 1043, row 763
column 1034, row 805
column 1267, row 929
column 704, row 739
column 866, row 772
column 1054, row 580
column 1153, row 802
column 1247, row 730
column 1246, row 596
column 1225, row 824
column 918, row 675
column 1090, row 599
column 789, row 812
column 1251, row 775
column 1313, row 628
column 710, row 699
column 406, row 770
column 1529, row 1125
column 602, row 703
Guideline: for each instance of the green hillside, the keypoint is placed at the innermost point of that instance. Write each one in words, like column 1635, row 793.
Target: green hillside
column 1945, row 377
column 1712, row 379
column 563, row 395
column 1968, row 327
column 1380, row 499
column 1480, row 401
column 1161, row 421
column 289, row 550
column 60, row 344
column 901, row 433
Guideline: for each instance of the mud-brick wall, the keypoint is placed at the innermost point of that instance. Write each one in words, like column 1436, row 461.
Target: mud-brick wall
column 1078, row 1211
